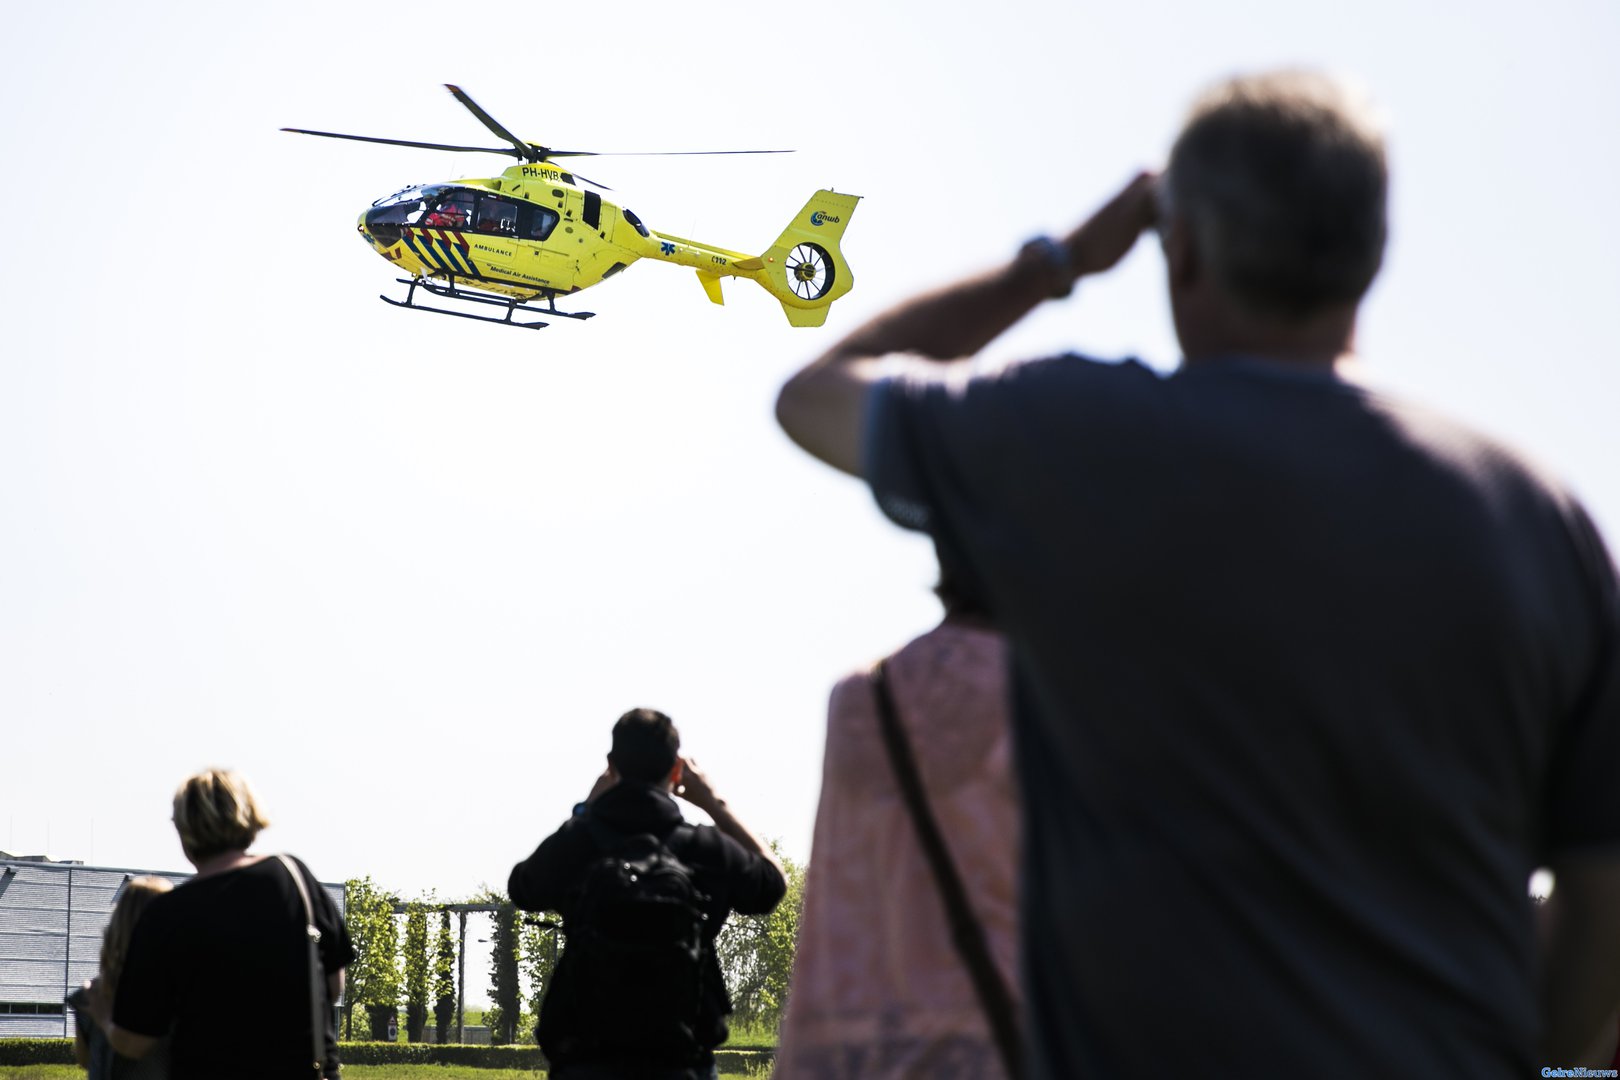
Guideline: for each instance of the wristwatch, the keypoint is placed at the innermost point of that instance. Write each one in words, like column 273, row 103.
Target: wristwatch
column 1055, row 257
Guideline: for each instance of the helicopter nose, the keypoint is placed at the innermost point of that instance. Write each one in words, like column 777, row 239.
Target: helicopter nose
column 380, row 232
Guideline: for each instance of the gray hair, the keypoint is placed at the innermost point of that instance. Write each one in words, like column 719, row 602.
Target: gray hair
column 1283, row 182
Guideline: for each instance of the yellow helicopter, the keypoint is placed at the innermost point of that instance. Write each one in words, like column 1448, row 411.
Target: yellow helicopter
column 534, row 233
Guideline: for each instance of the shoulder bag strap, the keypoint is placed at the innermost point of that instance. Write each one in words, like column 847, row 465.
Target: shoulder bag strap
column 966, row 933
column 317, row 992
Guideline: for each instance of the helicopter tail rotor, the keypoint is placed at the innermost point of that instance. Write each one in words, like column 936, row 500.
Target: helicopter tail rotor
column 804, row 269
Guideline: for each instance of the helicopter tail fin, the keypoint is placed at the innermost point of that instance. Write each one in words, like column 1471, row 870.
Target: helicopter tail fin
column 804, row 269
column 711, row 285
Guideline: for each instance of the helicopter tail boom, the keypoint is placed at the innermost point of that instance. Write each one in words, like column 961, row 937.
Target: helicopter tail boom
column 804, row 269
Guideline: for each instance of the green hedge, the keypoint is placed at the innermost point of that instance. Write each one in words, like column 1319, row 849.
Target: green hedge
column 60, row 1052
column 484, row 1057
column 36, row 1051
column 500, row 1057
column 735, row 1060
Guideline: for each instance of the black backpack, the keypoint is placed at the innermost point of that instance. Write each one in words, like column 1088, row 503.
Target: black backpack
column 635, row 951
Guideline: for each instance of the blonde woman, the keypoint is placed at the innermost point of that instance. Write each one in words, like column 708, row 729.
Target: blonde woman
column 90, row 1046
column 222, row 963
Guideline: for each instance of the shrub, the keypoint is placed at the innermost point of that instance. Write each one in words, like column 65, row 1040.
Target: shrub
column 60, row 1052
column 374, row 976
column 756, row 955
column 753, row 1062
column 484, row 1057
column 36, row 1051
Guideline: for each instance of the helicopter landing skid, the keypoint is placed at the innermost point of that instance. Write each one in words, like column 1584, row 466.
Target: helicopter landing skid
column 511, row 304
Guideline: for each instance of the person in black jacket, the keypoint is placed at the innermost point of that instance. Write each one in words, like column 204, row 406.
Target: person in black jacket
column 631, row 822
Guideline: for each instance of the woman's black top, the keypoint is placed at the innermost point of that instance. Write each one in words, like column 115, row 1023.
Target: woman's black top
column 221, row 963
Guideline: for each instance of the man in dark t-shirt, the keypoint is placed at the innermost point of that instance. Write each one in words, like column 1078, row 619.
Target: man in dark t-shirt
column 1308, row 680
column 585, row 1038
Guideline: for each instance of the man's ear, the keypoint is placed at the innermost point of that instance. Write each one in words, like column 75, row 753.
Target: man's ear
column 613, row 770
column 676, row 774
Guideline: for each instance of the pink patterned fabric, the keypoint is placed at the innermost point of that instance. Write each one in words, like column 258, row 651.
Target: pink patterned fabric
column 879, row 992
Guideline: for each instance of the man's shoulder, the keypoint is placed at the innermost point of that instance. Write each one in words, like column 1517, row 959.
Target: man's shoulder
column 572, row 841
column 1076, row 365
column 710, row 851
column 983, row 422
column 706, row 846
column 1494, row 468
column 991, row 416
column 585, row 837
column 1038, row 375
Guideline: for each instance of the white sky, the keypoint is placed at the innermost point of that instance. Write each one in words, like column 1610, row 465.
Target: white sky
column 404, row 571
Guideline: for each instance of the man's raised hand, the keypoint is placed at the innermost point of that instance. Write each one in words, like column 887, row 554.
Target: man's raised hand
column 1104, row 238
column 694, row 788
column 608, row 779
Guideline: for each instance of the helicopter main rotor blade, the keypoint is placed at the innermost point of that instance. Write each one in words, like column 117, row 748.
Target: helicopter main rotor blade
column 651, row 153
column 521, row 148
column 509, row 152
column 589, row 181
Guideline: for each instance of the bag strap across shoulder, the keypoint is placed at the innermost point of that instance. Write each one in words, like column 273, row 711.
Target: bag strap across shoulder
column 317, row 992
column 303, row 894
column 966, row 932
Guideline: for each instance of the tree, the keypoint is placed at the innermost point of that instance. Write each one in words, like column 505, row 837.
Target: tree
column 539, row 945
column 416, row 971
column 756, row 953
column 373, row 979
column 504, row 944
column 444, row 980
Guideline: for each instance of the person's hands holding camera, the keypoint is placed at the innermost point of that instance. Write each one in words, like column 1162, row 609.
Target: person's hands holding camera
column 695, row 788
column 608, row 779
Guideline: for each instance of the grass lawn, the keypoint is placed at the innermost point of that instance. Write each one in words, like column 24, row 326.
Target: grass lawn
column 354, row 1072
column 350, row 1072
column 435, row 1072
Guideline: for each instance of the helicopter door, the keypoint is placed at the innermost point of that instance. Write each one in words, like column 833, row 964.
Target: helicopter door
column 547, row 259
column 493, row 234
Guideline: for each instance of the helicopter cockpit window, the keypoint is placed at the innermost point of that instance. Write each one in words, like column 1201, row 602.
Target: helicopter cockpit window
column 403, row 208
column 451, row 209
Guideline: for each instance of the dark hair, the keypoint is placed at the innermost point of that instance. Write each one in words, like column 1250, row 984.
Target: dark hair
column 645, row 746
column 1282, row 180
